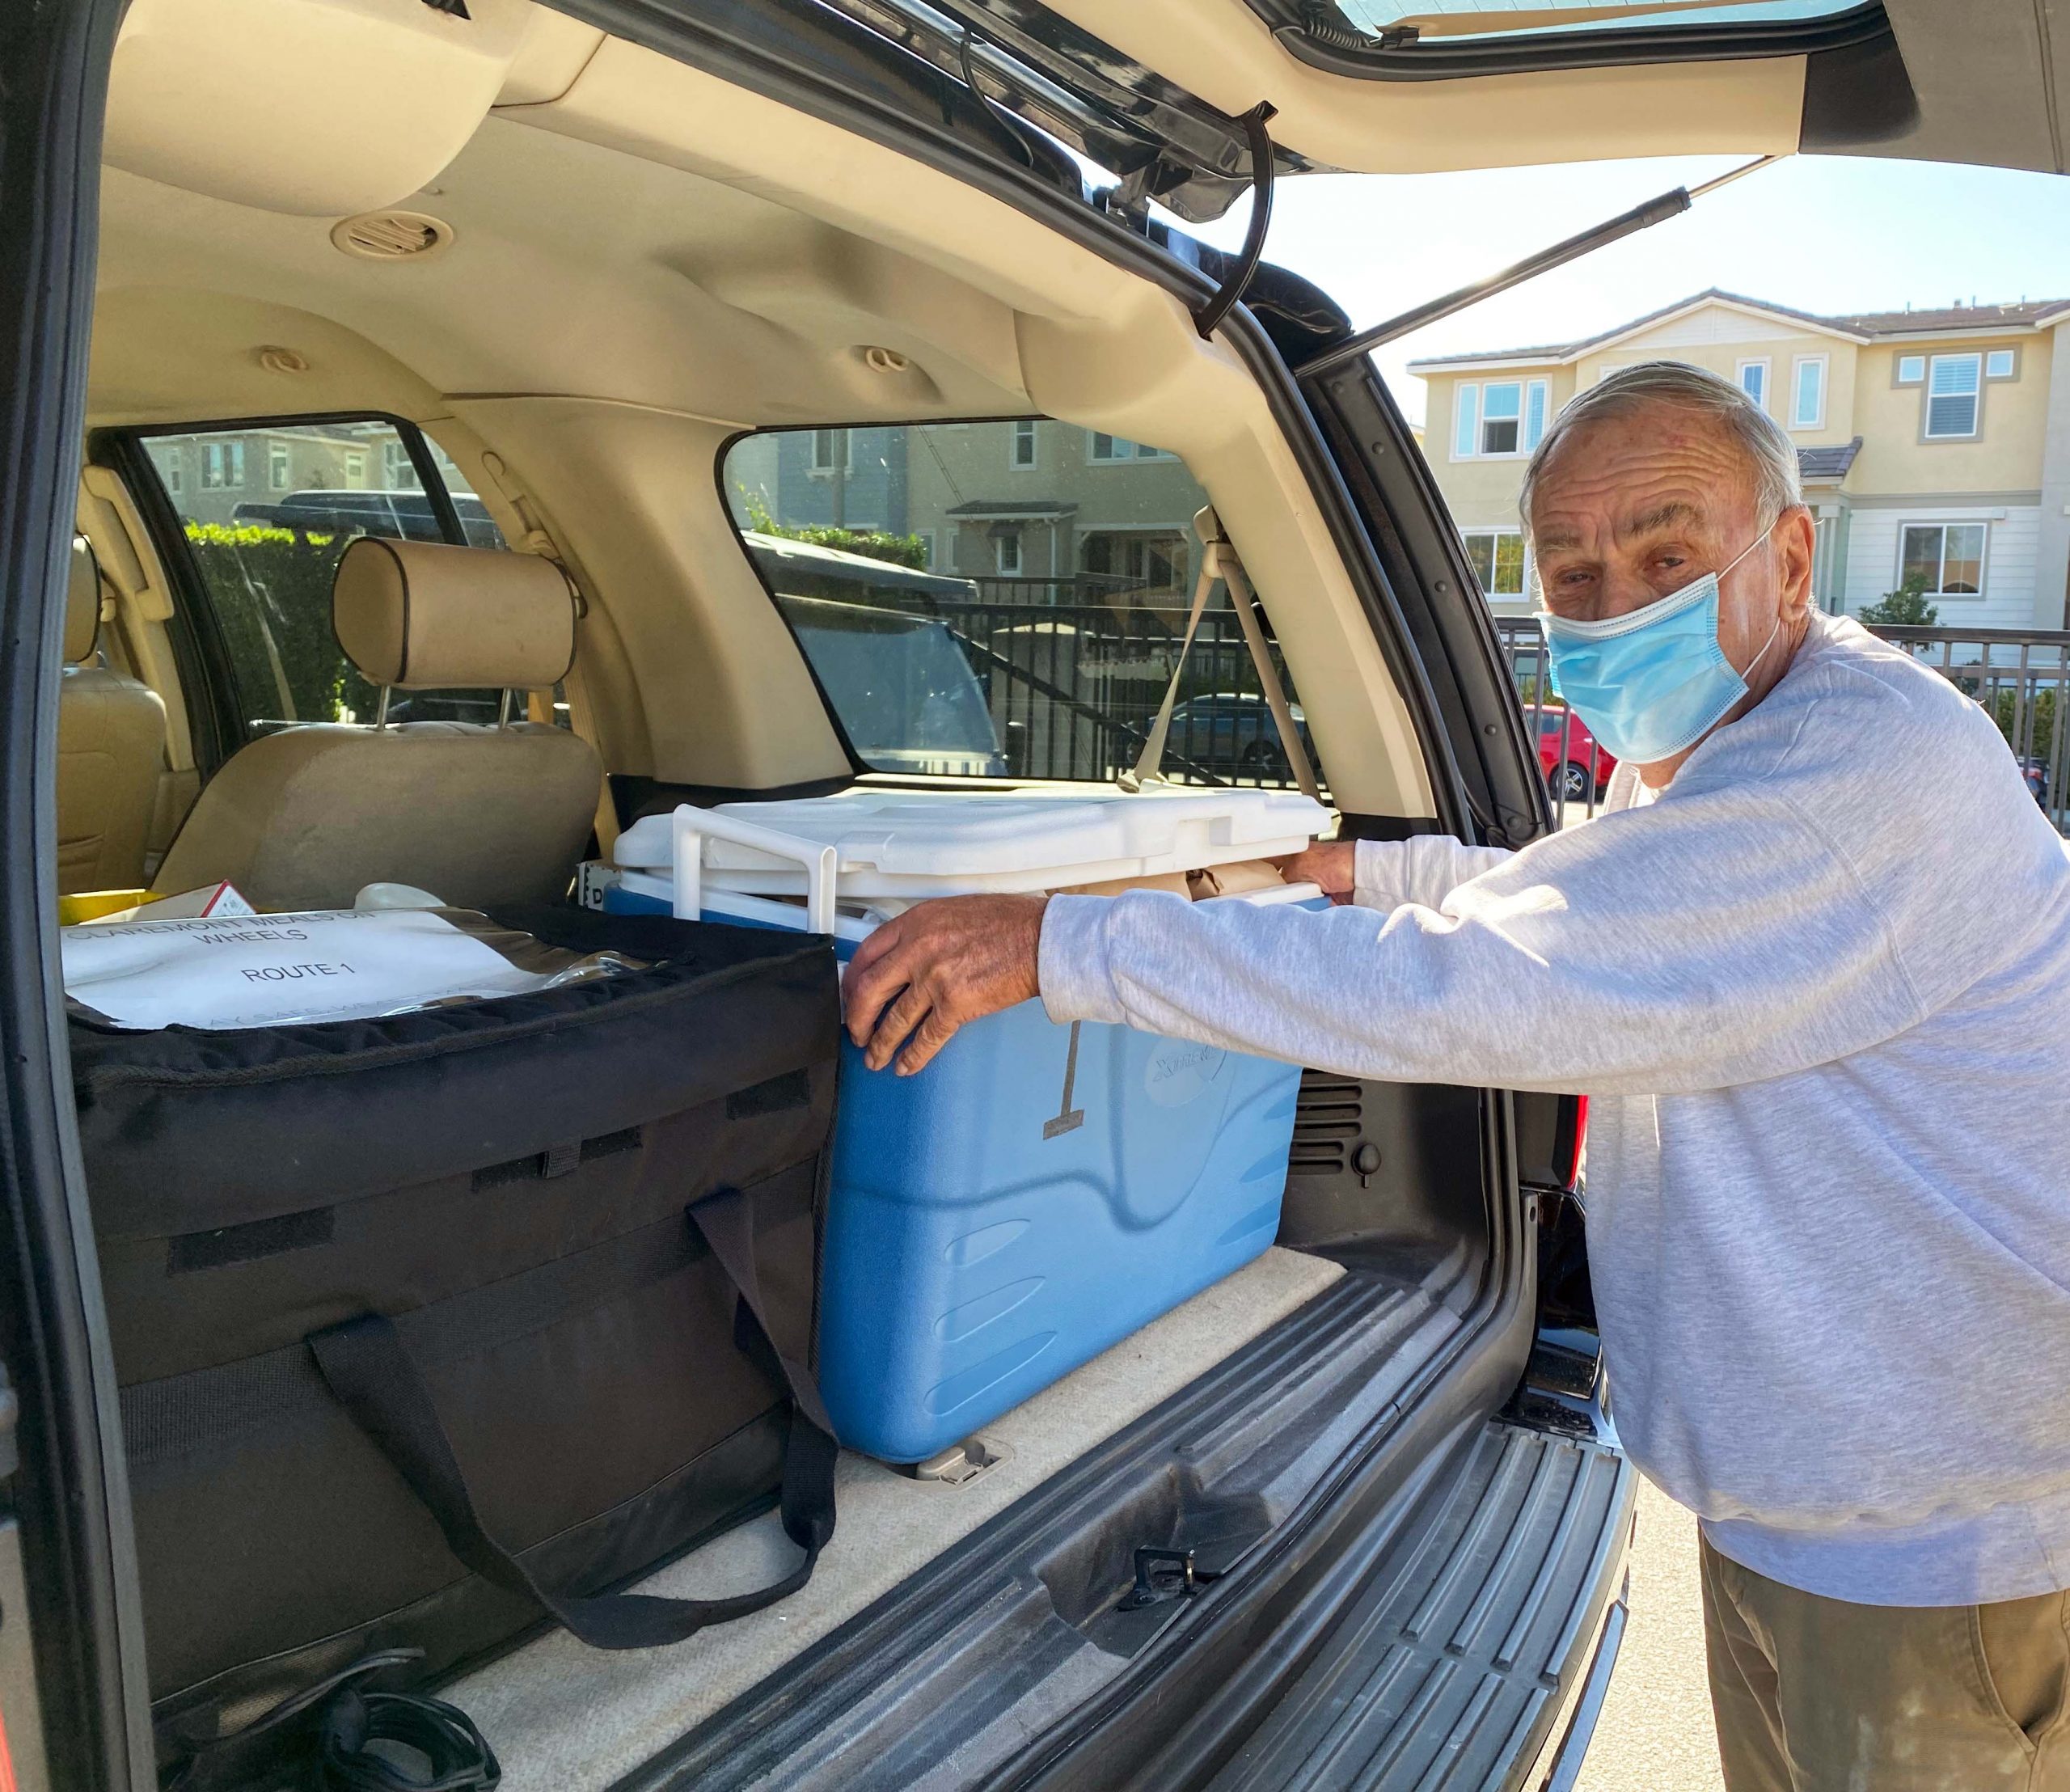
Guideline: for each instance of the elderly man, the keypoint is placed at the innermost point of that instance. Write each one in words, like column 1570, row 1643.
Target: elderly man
column 1817, row 976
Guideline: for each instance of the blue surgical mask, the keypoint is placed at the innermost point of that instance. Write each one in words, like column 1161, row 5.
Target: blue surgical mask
column 1655, row 681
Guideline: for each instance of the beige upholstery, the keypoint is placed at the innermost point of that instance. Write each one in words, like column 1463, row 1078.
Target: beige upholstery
column 304, row 819
column 111, row 752
column 421, row 616
column 81, row 604
column 479, row 816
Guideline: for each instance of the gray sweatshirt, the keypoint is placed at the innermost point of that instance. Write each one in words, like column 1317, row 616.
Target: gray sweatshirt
column 1819, row 992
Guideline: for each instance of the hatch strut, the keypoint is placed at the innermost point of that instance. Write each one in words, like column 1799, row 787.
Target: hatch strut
column 1254, row 122
column 1654, row 211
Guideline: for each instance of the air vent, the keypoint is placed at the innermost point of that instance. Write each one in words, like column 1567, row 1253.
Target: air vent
column 1328, row 1118
column 391, row 236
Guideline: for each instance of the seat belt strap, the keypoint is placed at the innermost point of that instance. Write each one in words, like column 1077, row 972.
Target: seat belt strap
column 1218, row 559
column 583, row 720
column 581, row 717
column 1148, row 769
column 1244, row 602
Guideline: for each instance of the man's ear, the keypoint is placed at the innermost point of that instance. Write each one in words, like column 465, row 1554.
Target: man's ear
column 1797, row 540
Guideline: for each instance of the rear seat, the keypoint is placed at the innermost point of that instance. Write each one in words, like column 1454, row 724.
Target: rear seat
column 479, row 816
column 111, row 751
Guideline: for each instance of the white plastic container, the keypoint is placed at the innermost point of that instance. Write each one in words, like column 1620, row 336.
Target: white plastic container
column 913, row 844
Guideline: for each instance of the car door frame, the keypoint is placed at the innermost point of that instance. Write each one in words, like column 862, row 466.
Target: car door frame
column 70, row 1491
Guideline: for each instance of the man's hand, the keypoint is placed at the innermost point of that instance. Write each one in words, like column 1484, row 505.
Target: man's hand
column 1330, row 864
column 939, row 964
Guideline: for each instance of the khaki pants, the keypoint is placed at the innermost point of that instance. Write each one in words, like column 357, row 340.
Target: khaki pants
column 1817, row 1695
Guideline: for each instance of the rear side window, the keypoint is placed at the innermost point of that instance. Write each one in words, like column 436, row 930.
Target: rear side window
column 264, row 510
column 1001, row 599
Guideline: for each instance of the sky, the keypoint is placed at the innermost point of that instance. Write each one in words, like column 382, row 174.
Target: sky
column 1817, row 232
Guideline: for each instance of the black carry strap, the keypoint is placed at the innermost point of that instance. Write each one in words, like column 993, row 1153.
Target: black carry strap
column 279, row 1745
column 456, row 1757
column 369, row 1370
column 334, row 1737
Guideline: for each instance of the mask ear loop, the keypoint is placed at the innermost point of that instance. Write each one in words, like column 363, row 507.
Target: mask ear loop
column 1771, row 641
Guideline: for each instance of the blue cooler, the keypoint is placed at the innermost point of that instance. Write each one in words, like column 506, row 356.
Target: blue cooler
column 1034, row 1196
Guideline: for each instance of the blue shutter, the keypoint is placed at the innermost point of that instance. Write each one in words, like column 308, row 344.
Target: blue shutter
column 1464, row 438
column 1534, row 415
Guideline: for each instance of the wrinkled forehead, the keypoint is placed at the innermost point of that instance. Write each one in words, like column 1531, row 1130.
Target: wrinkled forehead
column 1656, row 468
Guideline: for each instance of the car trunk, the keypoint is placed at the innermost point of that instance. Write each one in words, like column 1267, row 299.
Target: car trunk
column 952, row 1618
column 1343, row 1385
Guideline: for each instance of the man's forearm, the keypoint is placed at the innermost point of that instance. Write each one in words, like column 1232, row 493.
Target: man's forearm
column 1424, row 869
column 1601, row 962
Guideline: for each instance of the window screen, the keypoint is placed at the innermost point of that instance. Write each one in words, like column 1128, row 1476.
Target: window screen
column 1501, row 414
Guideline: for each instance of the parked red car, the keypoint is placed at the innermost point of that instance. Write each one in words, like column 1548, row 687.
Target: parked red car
column 1575, row 765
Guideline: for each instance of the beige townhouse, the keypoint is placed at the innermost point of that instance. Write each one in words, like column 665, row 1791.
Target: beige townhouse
column 1933, row 443
column 210, row 476
column 1033, row 499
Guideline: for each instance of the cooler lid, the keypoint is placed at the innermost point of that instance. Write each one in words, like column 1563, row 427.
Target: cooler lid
column 940, row 843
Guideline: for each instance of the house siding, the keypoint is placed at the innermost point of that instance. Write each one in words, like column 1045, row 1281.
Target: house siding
column 2011, row 533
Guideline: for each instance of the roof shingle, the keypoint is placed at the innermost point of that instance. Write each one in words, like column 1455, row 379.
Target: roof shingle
column 1819, row 463
column 1866, row 324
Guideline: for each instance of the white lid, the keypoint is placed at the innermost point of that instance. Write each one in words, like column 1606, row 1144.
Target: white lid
column 900, row 843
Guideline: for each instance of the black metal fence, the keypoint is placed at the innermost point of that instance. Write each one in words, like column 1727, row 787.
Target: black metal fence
column 1068, row 588
column 2021, row 678
column 1577, row 769
column 1073, row 688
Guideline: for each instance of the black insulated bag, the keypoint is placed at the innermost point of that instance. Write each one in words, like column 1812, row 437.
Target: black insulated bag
column 430, row 1327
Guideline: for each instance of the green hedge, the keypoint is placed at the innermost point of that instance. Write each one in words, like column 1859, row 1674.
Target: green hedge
column 272, row 593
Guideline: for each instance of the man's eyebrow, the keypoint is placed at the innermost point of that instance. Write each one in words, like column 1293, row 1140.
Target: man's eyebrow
column 1555, row 539
column 1646, row 522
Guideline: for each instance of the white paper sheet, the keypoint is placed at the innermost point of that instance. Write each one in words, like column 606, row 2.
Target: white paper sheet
column 270, row 970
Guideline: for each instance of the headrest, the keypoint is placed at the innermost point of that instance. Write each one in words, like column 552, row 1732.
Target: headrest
column 420, row 615
column 81, row 604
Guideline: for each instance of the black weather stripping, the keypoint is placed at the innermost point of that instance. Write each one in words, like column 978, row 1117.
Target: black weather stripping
column 1320, row 36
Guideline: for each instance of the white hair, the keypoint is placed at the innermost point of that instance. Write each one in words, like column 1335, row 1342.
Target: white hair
column 1770, row 459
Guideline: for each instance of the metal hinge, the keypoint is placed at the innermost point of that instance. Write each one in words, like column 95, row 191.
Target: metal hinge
column 1162, row 1575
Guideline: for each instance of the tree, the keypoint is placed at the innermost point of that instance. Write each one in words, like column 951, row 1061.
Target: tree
column 1905, row 607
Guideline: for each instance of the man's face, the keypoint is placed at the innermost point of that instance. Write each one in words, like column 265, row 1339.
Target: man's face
column 1629, row 509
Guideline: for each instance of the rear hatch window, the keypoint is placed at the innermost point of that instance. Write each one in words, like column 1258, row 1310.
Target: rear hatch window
column 1003, row 599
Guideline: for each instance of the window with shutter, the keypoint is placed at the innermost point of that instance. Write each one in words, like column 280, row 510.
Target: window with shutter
column 1952, row 384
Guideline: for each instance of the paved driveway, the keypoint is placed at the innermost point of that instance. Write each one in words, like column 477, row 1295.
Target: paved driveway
column 1655, row 1734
